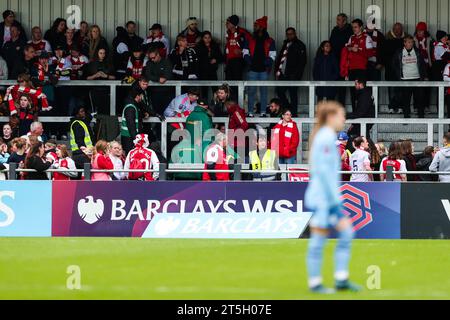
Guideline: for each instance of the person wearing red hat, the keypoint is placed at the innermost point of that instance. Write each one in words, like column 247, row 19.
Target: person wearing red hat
column 259, row 53
column 235, row 39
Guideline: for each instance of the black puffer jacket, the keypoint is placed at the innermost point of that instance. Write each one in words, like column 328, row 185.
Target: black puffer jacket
column 296, row 60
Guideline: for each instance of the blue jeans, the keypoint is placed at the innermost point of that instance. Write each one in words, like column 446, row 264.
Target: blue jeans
column 288, row 161
column 257, row 76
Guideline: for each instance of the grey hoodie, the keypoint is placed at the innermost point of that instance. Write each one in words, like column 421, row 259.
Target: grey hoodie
column 441, row 163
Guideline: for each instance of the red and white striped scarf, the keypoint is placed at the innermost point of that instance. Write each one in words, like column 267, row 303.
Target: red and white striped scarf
column 13, row 93
column 283, row 59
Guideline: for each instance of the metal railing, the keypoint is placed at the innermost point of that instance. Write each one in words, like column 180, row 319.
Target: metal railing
column 237, row 171
column 241, row 85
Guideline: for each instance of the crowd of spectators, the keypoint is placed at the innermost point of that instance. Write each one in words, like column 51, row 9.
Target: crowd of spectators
column 353, row 52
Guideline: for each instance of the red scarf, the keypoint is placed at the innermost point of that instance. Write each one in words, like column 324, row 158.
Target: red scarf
column 423, row 47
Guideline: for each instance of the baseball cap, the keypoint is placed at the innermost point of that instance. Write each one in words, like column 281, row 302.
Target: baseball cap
column 202, row 103
column 343, row 136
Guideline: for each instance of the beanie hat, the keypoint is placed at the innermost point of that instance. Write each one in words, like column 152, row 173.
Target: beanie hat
column 440, row 34
column 262, row 22
column 234, row 20
column 190, row 21
column 422, row 26
column 141, row 141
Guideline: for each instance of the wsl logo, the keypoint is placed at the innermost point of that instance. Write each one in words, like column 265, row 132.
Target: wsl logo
column 90, row 211
column 356, row 206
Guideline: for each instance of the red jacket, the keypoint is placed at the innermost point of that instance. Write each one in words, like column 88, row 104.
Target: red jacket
column 285, row 139
column 357, row 60
column 235, row 43
column 101, row 162
column 216, row 158
column 237, row 121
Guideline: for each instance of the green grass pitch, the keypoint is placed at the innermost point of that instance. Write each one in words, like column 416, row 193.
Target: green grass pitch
column 212, row 269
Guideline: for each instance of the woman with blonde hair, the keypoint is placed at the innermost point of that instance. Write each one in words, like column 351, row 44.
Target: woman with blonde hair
column 101, row 161
column 324, row 199
column 94, row 42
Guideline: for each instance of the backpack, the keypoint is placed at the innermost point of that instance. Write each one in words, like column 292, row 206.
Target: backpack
column 136, row 164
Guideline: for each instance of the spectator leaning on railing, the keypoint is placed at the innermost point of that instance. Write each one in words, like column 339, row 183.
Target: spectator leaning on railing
column 216, row 158
column 118, row 159
column 64, row 163
column 441, row 162
column 360, row 160
column 394, row 160
column 35, row 161
column 424, row 163
column 101, row 161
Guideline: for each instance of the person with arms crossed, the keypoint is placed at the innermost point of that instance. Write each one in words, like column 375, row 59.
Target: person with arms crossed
column 324, row 199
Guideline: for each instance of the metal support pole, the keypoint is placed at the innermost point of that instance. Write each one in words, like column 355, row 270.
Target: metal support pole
column 164, row 138
column 162, row 172
column 12, row 171
column 178, row 90
column 430, row 134
column 390, row 173
column 113, row 99
column 87, row 171
column 312, row 101
column 237, row 175
column 375, row 100
column 377, row 110
column 441, row 112
column 364, row 129
column 241, row 94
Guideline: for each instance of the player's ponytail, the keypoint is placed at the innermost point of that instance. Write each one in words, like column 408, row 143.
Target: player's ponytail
column 324, row 110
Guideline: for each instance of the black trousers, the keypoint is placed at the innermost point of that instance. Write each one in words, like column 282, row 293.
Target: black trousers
column 341, row 94
column 407, row 94
column 234, row 71
column 293, row 95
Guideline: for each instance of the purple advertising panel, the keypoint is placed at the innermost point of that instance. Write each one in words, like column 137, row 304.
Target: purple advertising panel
column 127, row 209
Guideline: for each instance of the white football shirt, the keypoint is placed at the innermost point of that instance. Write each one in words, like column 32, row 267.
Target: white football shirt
column 358, row 161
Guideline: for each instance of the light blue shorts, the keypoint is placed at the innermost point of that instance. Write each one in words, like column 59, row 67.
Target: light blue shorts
column 326, row 218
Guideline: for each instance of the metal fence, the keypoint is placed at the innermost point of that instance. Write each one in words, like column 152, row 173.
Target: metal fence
column 441, row 121
column 237, row 171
